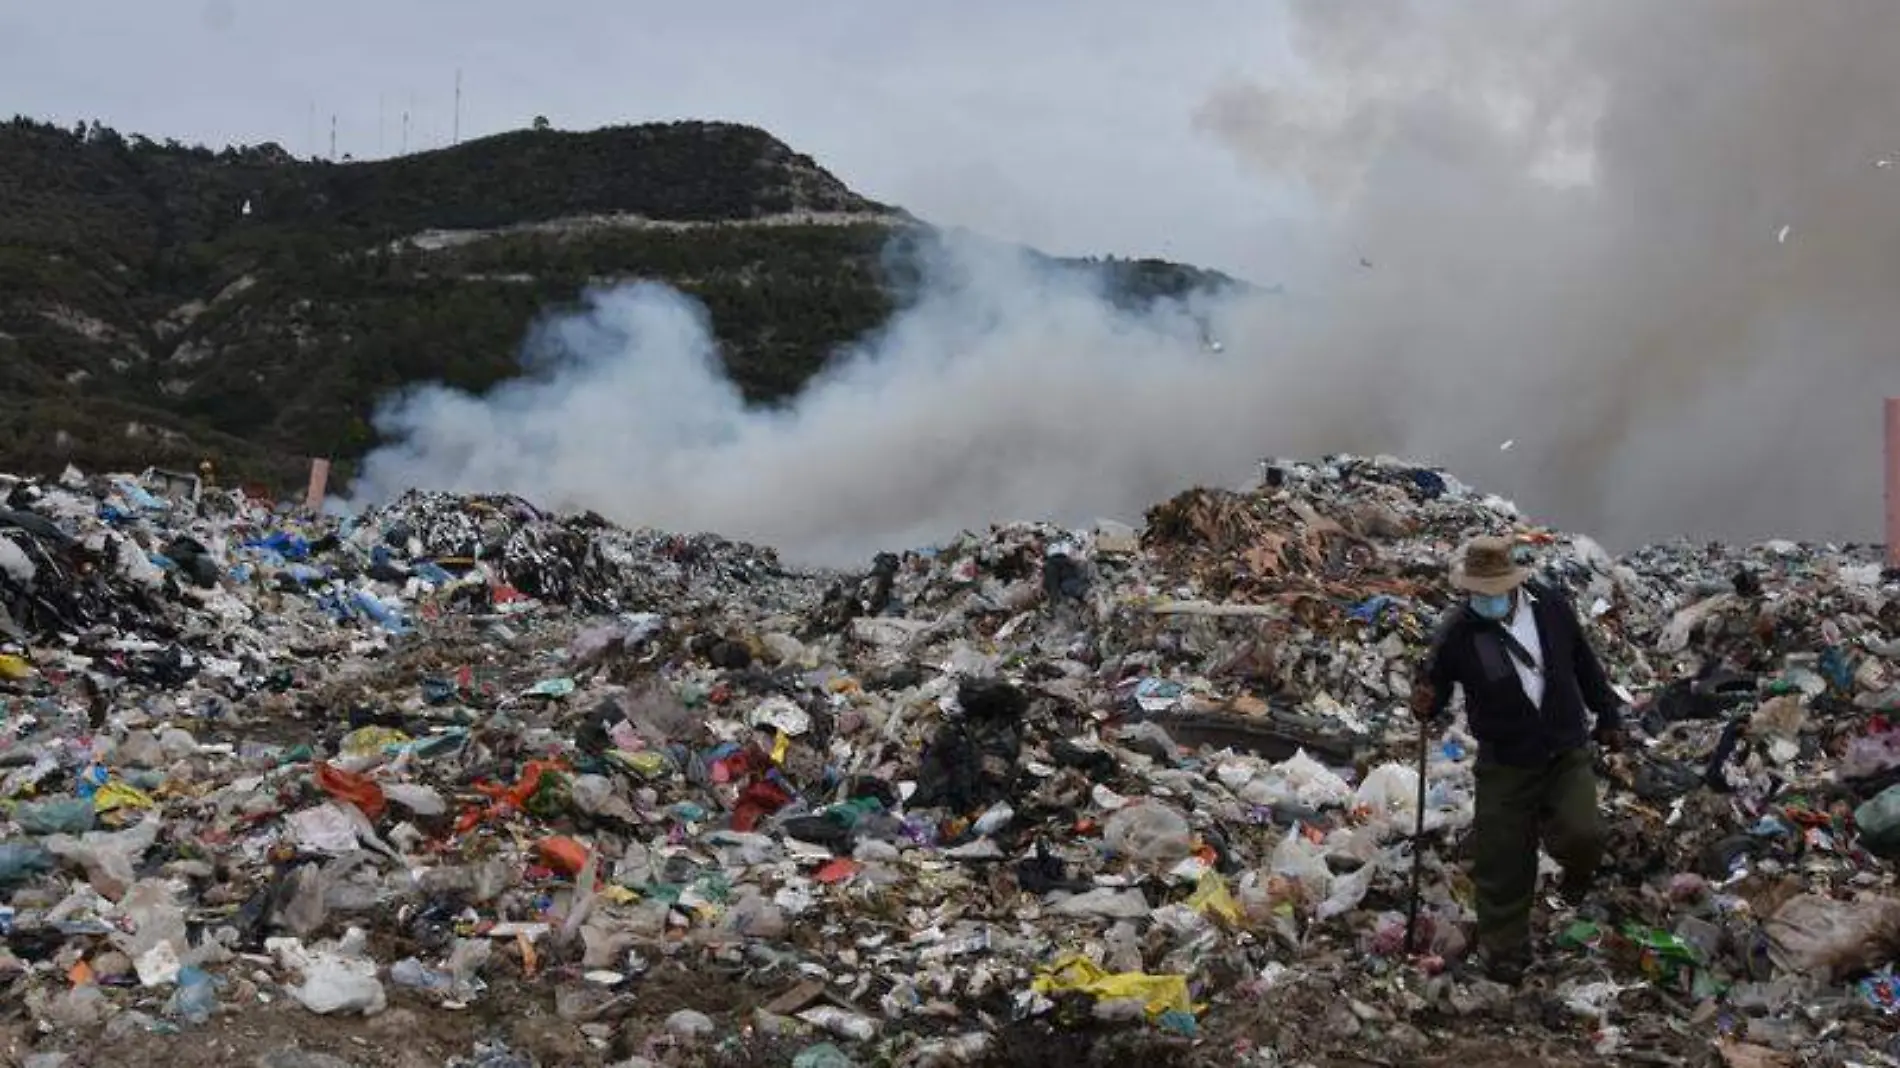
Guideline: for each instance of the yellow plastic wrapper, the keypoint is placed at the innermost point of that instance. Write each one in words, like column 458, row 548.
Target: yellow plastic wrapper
column 644, row 763
column 369, row 741
column 781, row 745
column 1211, row 898
column 13, row 668
column 1078, row 974
column 117, row 795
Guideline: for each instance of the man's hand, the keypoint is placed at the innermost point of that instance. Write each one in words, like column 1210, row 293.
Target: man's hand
column 1422, row 709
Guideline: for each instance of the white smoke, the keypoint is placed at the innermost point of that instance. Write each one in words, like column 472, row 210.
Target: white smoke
column 1653, row 243
column 1009, row 389
column 1650, row 244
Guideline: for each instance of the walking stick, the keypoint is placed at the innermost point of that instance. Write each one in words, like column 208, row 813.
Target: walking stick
column 1418, row 840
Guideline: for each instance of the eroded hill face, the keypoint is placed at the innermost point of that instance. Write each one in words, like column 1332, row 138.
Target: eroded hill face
column 160, row 303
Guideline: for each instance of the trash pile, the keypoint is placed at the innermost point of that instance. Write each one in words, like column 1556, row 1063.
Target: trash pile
column 460, row 759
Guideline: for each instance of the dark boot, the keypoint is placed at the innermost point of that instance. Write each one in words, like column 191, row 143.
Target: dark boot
column 1573, row 830
column 1506, row 968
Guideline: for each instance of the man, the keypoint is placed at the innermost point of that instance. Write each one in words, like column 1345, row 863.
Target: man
column 1518, row 651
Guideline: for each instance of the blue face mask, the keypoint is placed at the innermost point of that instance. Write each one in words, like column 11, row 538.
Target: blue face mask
column 1492, row 606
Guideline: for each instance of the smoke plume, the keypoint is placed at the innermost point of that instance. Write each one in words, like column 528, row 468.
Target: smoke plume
column 1655, row 247
column 1008, row 388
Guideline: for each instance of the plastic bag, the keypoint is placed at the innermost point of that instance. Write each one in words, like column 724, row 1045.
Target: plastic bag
column 822, row 1055
column 1078, row 974
column 336, row 985
column 841, row 1022
column 1391, row 792
column 690, row 1024
column 387, row 616
column 359, row 790
column 334, row 980
column 595, row 795
column 554, row 688
column 60, row 815
column 1211, row 898
column 1831, row 939
column 1878, row 821
column 1869, row 755
column 300, row 905
column 419, row 799
column 1346, row 893
column 196, row 997
column 1304, row 864
column 157, row 920
column 1312, row 782
column 594, row 644
column 564, row 855
column 21, row 861
column 1148, row 833
column 323, row 829
column 1106, row 902
column 782, row 714
column 108, row 858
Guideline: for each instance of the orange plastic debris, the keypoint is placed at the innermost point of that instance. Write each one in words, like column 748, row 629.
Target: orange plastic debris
column 838, row 870
column 359, row 790
column 564, row 855
column 517, row 795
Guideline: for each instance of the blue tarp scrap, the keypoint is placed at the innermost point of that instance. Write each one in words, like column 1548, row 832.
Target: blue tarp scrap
column 287, row 545
column 1838, row 668
column 1429, row 483
column 139, row 498
column 1369, row 611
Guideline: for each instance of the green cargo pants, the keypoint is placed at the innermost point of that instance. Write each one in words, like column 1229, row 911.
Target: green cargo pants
column 1516, row 808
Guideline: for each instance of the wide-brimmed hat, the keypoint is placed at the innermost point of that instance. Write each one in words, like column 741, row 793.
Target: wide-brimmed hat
column 1487, row 566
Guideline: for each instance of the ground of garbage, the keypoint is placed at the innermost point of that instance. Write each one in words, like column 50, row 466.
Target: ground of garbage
column 460, row 782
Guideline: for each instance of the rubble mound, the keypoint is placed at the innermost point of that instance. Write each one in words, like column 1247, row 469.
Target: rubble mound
column 272, row 781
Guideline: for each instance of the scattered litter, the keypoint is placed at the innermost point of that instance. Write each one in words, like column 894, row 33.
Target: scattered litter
column 1124, row 779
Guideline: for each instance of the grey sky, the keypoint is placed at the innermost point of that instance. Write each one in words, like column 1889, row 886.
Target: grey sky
column 1066, row 124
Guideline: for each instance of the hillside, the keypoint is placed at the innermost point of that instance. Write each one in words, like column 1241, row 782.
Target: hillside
column 163, row 303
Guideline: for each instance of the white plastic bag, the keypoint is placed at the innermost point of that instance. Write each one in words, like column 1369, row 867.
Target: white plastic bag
column 108, row 857
column 333, row 984
column 1346, row 893
column 1390, row 791
column 158, row 938
column 1106, row 902
column 335, row 979
column 1313, row 783
column 1304, row 864
column 419, row 799
column 1149, row 833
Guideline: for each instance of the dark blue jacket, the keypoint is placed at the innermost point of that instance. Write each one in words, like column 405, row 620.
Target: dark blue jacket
column 1470, row 651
